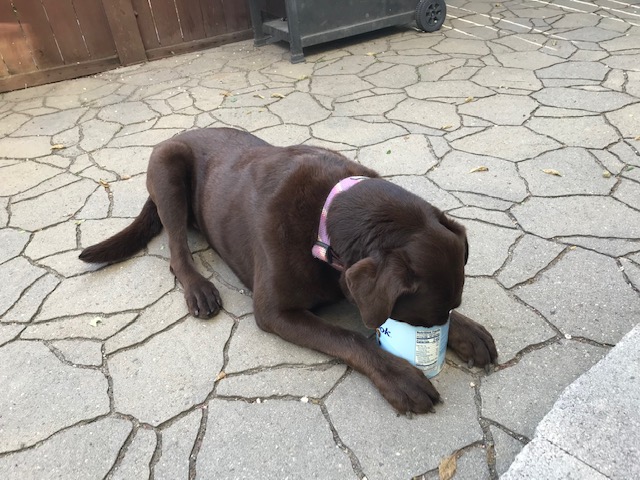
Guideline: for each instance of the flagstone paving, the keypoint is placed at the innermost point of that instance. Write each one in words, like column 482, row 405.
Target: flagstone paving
column 519, row 118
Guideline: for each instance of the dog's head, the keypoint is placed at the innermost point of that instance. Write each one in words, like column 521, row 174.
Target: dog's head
column 419, row 282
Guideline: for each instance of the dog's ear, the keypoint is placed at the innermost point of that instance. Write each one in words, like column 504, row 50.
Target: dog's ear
column 375, row 287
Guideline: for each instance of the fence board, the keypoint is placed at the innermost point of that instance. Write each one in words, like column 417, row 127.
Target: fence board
column 95, row 28
column 13, row 46
column 63, row 23
column 214, row 22
column 191, row 20
column 166, row 20
column 236, row 14
column 126, row 36
column 39, row 34
column 145, row 24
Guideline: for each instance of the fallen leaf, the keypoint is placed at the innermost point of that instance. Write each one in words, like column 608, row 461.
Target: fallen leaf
column 59, row 146
column 277, row 95
column 446, row 127
column 259, row 96
column 79, row 222
column 606, row 174
column 221, row 375
column 479, row 169
column 637, row 138
column 104, row 183
column 469, row 99
column 125, row 177
column 388, row 152
column 226, row 94
column 371, row 54
column 447, row 468
column 95, row 321
column 551, row 171
column 303, row 77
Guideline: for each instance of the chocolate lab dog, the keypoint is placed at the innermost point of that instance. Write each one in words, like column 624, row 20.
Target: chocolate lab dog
column 265, row 208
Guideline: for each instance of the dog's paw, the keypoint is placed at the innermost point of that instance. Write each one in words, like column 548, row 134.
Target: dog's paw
column 471, row 341
column 203, row 299
column 404, row 386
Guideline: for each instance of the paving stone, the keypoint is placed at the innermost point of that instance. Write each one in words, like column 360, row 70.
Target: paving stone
column 427, row 190
column 300, row 109
column 52, row 207
column 50, row 124
column 590, row 132
column 16, row 276
column 529, row 256
column 127, row 113
column 137, row 457
column 398, row 76
column 472, row 465
column 578, row 70
column 12, row 122
column 9, row 332
column 550, row 462
column 346, row 65
column 129, row 196
column 486, row 216
column 501, row 77
column 527, row 60
column 48, row 185
column 577, row 215
column 370, row 105
column 632, row 271
column 92, row 326
column 582, row 432
column 177, row 442
column 56, row 161
column 159, row 246
column 580, row 174
column 506, row 142
column 424, row 112
column 470, row 47
column 262, row 429
column 148, row 138
column 80, row 352
column 392, row 446
column 233, row 301
column 513, row 326
column 128, row 285
column 46, row 242
column 95, row 231
column 96, row 206
column 355, row 132
column 501, row 109
column 12, row 241
column 4, row 214
column 298, row 382
column 593, row 101
column 591, row 34
column 250, row 119
column 26, row 307
column 506, row 449
column 488, row 246
column 584, row 305
column 629, row 193
column 188, row 355
column 561, row 112
column 209, row 261
column 272, row 349
column 156, row 318
column 405, row 155
column 67, row 264
column 338, row 85
column 626, row 120
column 23, row 176
column 625, row 154
column 609, row 246
column 501, row 180
column 435, row 71
column 97, row 133
column 448, row 89
column 42, row 395
column 512, row 396
column 285, row 135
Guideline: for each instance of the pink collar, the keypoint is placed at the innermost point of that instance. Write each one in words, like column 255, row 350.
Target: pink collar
column 322, row 248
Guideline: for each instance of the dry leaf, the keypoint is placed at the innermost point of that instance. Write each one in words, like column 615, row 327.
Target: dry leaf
column 59, row 146
column 606, row 174
column 469, row 99
column 221, row 375
column 226, row 94
column 125, row 177
column 371, row 54
column 95, row 321
column 447, row 468
column 551, row 171
column 277, row 95
column 479, row 169
column 446, row 127
column 637, row 138
column 104, row 183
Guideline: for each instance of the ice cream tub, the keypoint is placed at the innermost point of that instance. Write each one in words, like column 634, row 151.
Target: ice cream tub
column 424, row 347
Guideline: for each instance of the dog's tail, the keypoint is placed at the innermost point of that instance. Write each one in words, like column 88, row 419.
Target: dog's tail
column 129, row 241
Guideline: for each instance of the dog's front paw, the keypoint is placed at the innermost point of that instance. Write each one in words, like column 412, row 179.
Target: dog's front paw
column 404, row 386
column 471, row 341
column 203, row 299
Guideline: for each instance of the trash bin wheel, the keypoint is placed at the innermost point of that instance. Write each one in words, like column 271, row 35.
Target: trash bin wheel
column 430, row 14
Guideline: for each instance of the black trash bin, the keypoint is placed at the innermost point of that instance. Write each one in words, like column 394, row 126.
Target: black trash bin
column 308, row 22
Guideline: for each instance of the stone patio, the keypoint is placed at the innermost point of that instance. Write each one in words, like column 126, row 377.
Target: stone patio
column 103, row 373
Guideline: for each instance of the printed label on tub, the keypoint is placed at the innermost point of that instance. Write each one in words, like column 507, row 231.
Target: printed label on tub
column 427, row 348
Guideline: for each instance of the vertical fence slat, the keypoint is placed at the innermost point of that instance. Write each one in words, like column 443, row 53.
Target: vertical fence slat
column 214, row 22
column 190, row 19
column 145, row 23
column 40, row 36
column 236, row 14
column 63, row 22
column 124, row 29
column 95, row 28
column 164, row 14
column 13, row 46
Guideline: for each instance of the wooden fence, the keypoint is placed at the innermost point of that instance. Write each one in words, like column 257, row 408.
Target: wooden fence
column 43, row 41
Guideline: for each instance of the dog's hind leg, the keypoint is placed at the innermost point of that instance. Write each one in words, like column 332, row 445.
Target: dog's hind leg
column 169, row 183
